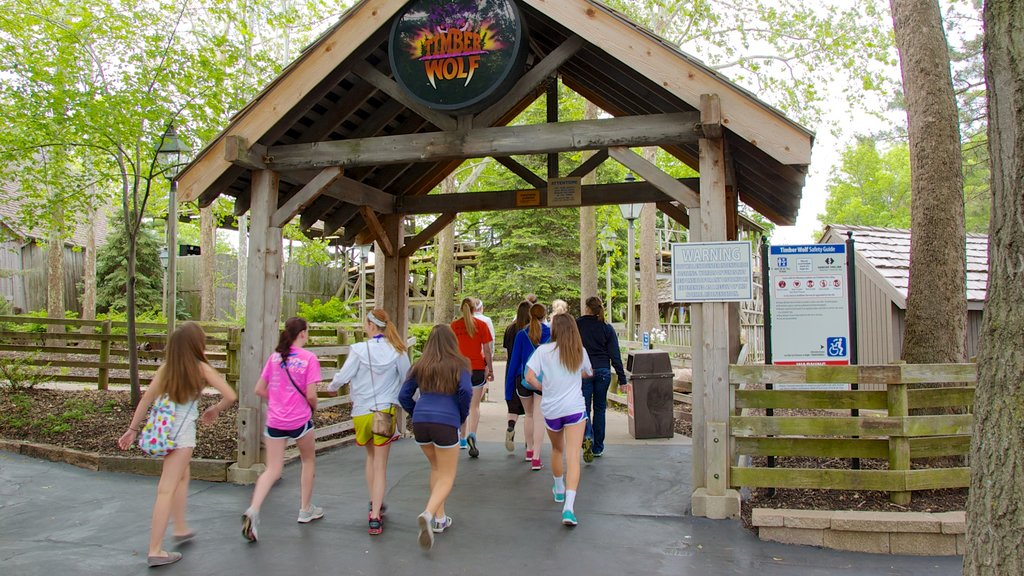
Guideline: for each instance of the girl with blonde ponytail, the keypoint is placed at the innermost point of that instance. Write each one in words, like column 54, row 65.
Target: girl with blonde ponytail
column 375, row 370
column 474, row 339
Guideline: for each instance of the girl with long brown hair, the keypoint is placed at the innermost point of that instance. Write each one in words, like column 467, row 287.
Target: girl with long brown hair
column 288, row 382
column 443, row 379
column 182, row 377
column 512, row 400
column 375, row 369
column 474, row 342
column 527, row 340
column 558, row 368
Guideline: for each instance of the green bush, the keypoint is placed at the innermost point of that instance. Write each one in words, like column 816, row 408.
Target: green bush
column 333, row 311
column 20, row 372
column 420, row 332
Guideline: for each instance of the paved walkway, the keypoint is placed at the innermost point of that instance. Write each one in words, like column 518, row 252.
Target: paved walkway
column 632, row 507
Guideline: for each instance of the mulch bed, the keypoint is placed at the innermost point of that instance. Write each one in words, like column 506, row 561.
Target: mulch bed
column 92, row 421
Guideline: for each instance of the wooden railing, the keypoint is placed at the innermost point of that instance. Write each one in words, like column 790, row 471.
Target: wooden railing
column 893, row 434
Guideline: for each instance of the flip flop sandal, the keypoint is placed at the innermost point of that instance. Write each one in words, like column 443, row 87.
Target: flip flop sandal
column 171, row 558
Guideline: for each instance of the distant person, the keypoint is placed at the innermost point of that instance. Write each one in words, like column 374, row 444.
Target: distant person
column 602, row 346
column 559, row 306
column 474, row 338
column 376, row 369
column 527, row 340
column 478, row 313
column 531, row 298
column 182, row 377
column 557, row 368
column 512, row 400
column 444, row 381
column 288, row 382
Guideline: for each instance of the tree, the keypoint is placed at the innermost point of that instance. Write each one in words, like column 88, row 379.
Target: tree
column 870, row 188
column 995, row 518
column 112, row 267
column 936, row 302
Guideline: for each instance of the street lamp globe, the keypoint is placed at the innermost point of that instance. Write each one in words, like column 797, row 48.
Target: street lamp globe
column 630, row 211
column 172, row 152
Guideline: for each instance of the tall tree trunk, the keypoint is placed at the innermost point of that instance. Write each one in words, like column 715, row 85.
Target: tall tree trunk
column 207, row 264
column 55, row 268
column 89, row 267
column 995, row 507
column 936, row 300
column 588, row 229
column 648, row 247
column 444, row 285
column 243, row 257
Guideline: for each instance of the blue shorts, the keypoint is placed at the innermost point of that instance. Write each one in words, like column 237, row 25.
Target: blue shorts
column 557, row 424
column 279, row 434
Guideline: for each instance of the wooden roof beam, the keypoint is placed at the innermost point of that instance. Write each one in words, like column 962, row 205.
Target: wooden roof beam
column 379, row 234
column 657, row 177
column 592, row 195
column 418, row 241
column 305, row 196
column 392, row 89
column 528, row 84
column 590, row 165
column 654, row 130
column 528, row 176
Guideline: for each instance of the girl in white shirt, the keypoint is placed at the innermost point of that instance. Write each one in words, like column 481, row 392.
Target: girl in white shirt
column 558, row 368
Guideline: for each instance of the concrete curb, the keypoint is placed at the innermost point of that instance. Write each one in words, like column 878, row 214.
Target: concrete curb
column 910, row 533
column 201, row 468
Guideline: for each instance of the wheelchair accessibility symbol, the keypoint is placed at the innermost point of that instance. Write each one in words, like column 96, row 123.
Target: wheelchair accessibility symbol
column 835, row 347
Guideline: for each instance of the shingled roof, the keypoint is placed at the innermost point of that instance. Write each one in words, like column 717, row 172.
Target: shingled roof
column 11, row 220
column 888, row 251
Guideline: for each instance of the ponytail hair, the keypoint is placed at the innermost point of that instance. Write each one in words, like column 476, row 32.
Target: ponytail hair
column 378, row 317
column 566, row 337
column 292, row 328
column 537, row 314
column 596, row 307
column 467, row 316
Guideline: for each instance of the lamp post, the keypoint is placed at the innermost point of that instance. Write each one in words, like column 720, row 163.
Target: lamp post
column 170, row 154
column 608, row 246
column 364, row 253
column 630, row 212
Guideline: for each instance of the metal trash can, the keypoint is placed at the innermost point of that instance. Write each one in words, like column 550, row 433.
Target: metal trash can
column 649, row 399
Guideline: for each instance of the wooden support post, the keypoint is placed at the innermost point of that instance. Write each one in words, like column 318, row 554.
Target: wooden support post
column 697, row 363
column 104, row 372
column 342, row 335
column 899, row 446
column 395, row 283
column 263, row 301
column 234, row 347
column 715, row 499
column 552, row 104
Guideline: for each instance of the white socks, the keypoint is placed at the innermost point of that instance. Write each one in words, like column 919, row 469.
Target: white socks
column 570, row 499
column 559, row 483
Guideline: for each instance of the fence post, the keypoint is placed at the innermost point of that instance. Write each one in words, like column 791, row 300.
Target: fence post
column 233, row 346
column 899, row 446
column 104, row 372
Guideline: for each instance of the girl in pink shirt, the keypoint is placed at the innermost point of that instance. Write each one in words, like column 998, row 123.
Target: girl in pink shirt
column 288, row 382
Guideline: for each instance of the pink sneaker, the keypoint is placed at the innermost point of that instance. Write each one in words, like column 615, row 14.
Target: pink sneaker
column 529, row 456
column 535, row 464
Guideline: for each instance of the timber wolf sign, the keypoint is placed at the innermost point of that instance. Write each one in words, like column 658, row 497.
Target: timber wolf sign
column 457, row 55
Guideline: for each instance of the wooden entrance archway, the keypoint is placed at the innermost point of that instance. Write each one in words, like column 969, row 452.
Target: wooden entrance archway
column 335, row 140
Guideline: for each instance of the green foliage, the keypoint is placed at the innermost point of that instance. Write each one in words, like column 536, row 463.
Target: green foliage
column 37, row 327
column 19, row 417
column 420, row 332
column 333, row 311
column 112, row 270
column 75, row 410
column 22, row 373
column 872, row 187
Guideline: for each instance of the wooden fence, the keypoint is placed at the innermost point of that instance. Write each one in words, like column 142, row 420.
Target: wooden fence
column 96, row 351
column 893, row 434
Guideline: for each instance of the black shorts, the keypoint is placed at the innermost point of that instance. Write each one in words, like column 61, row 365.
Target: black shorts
column 299, row 432
column 478, row 378
column 440, row 435
column 524, row 392
column 515, row 405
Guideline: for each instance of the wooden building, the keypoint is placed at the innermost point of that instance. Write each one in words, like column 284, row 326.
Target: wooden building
column 345, row 138
column 23, row 273
column 883, row 275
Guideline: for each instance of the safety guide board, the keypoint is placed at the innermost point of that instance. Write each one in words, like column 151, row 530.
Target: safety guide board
column 810, row 319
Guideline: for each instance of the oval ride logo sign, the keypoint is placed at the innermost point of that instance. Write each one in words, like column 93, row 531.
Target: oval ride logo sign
column 457, row 54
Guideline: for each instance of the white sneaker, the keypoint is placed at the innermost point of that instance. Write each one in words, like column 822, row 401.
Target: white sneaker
column 426, row 536
column 314, row 513
column 439, row 526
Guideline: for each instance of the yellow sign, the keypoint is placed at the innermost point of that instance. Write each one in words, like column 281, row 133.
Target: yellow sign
column 527, row 198
column 565, row 192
